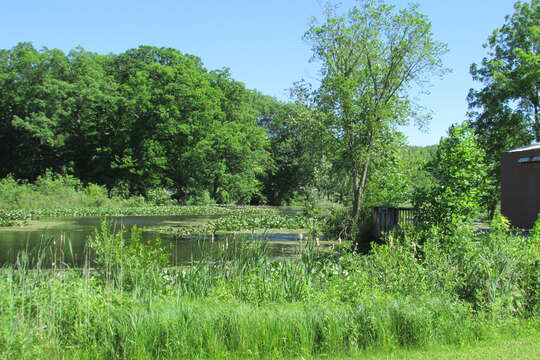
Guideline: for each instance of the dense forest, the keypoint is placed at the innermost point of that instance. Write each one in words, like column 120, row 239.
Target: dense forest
column 145, row 118
column 156, row 118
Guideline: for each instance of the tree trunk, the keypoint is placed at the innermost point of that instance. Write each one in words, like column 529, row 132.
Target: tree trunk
column 537, row 122
column 356, row 193
column 359, row 185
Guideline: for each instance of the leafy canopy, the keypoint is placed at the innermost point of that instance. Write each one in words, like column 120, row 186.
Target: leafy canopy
column 371, row 56
column 505, row 112
column 459, row 179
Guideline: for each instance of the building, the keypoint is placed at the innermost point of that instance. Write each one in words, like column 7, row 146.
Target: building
column 520, row 185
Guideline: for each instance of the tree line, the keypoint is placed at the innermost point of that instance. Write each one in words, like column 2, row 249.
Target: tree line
column 157, row 118
column 148, row 117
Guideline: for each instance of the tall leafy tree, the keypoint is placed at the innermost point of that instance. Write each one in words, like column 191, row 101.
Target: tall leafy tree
column 168, row 107
column 292, row 169
column 34, row 100
column 505, row 112
column 370, row 56
column 92, row 124
column 240, row 144
column 459, row 182
column 147, row 117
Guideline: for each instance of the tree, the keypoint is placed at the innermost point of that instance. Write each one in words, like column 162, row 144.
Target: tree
column 505, row 113
column 459, row 179
column 187, row 128
column 391, row 182
column 32, row 86
column 149, row 117
column 370, row 56
column 240, row 143
column 292, row 167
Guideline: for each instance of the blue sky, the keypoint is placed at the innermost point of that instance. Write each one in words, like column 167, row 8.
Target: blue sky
column 260, row 41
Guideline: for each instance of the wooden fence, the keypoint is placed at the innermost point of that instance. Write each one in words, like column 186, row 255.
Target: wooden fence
column 385, row 218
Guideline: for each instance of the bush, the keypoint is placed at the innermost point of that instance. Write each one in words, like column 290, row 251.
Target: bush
column 159, row 196
column 460, row 174
column 127, row 262
column 95, row 195
column 11, row 191
column 495, row 271
column 53, row 190
column 199, row 198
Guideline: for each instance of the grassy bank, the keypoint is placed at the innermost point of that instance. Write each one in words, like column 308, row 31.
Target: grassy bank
column 419, row 290
column 522, row 345
column 55, row 195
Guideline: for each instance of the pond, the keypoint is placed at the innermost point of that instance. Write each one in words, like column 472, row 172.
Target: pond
column 65, row 239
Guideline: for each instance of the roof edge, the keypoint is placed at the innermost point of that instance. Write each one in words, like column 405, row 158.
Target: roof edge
column 526, row 148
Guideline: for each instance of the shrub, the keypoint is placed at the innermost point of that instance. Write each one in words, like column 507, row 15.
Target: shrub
column 127, row 262
column 495, row 271
column 460, row 174
column 199, row 198
column 159, row 196
column 96, row 195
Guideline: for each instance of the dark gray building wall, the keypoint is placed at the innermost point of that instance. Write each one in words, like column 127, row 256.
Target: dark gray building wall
column 520, row 186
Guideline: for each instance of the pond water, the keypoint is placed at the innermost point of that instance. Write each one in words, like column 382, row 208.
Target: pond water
column 65, row 239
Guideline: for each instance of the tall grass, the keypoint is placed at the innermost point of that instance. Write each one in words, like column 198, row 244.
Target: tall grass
column 57, row 191
column 79, row 316
column 415, row 290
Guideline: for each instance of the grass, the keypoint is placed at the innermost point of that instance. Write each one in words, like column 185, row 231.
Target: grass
column 524, row 347
column 183, row 328
column 459, row 294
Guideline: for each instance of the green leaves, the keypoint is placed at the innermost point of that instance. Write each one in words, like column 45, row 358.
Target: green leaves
column 459, row 173
column 150, row 117
column 505, row 112
column 370, row 57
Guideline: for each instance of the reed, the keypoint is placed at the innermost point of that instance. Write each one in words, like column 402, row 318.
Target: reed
column 130, row 303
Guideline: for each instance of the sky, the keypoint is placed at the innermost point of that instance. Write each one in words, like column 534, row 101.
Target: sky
column 260, row 41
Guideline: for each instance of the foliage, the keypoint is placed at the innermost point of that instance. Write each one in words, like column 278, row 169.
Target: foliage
column 459, row 172
column 22, row 215
column 505, row 112
column 199, row 198
column 415, row 159
column 291, row 150
column 159, row 196
column 145, row 119
column 535, row 231
column 261, row 222
column 370, row 57
column 417, row 288
column 393, row 177
column 127, row 262
column 245, row 221
column 52, row 190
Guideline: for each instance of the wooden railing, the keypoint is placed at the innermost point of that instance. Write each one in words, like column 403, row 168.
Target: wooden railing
column 386, row 218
